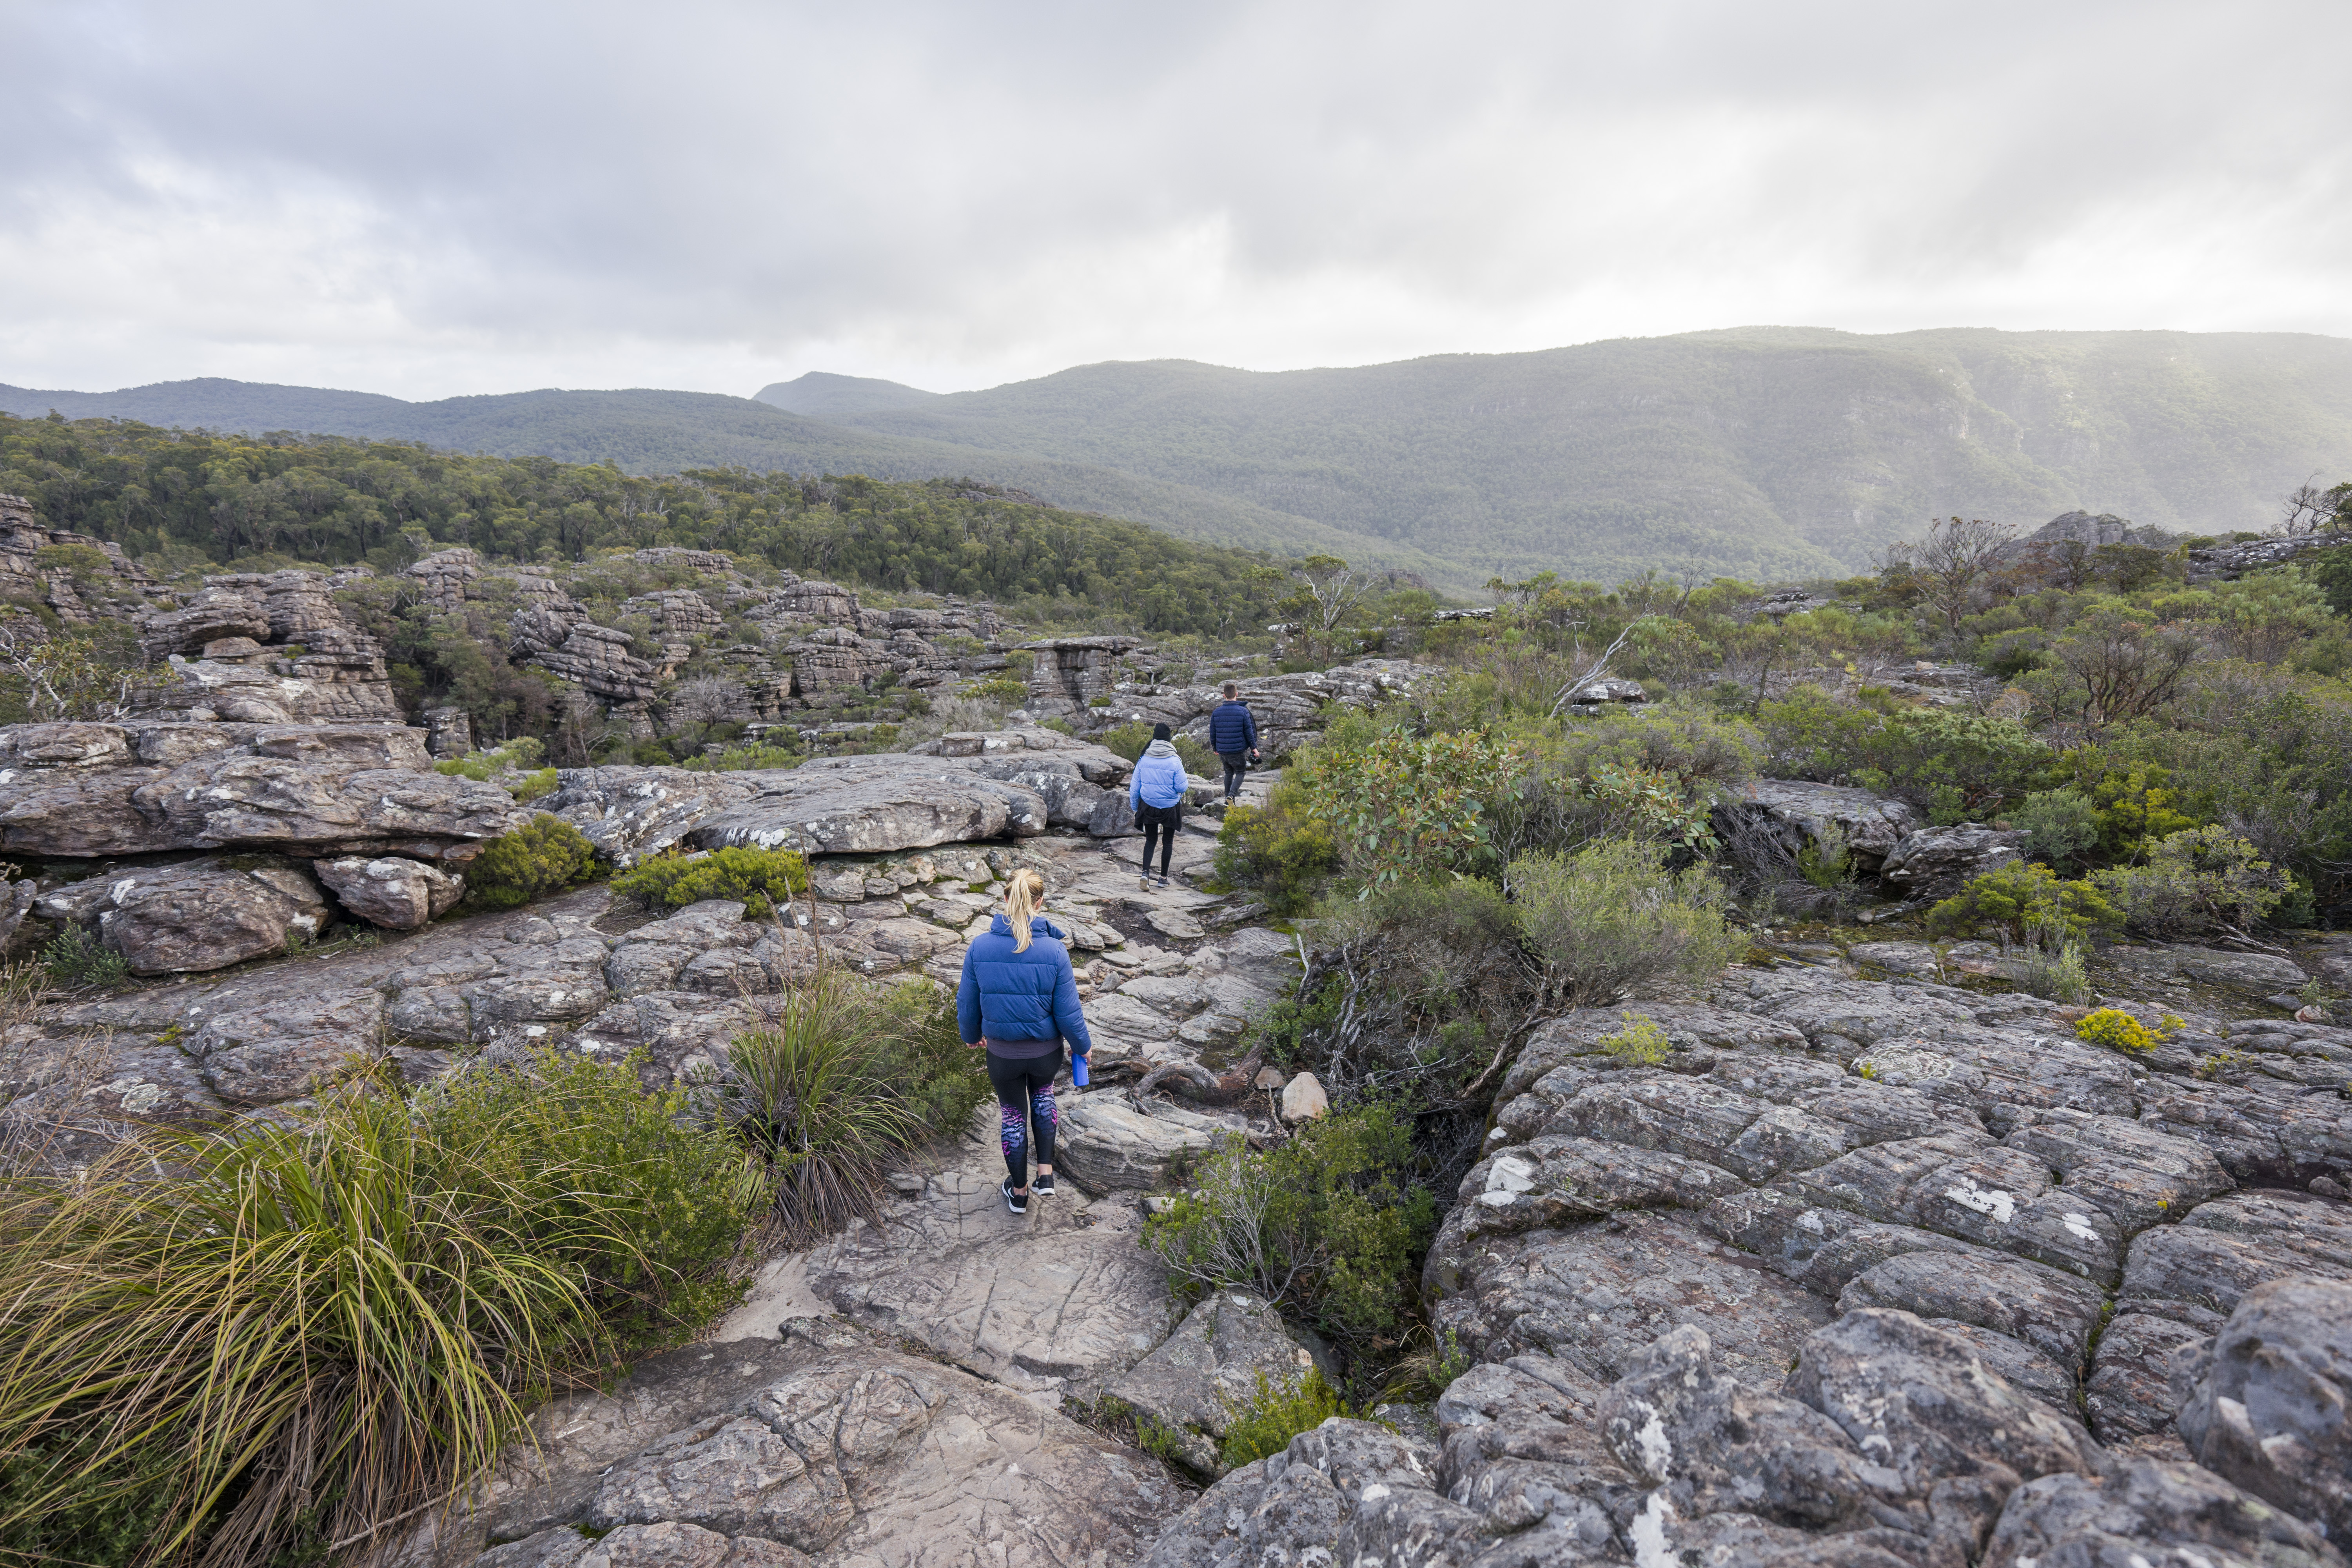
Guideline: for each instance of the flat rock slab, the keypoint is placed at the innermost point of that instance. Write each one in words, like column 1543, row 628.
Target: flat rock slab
column 824, row 1449
column 1595, row 1296
column 1058, row 1299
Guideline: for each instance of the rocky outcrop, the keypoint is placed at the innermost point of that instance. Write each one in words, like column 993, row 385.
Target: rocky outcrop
column 1938, row 862
column 2227, row 562
column 1019, row 784
column 1797, row 812
column 96, row 790
column 1289, row 708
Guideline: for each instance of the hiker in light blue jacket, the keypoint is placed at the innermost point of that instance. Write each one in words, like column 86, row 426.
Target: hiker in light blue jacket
column 1157, row 794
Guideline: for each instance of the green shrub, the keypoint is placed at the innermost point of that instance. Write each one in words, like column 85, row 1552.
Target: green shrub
column 1640, row 1044
column 2197, row 880
column 743, row 759
column 2052, row 967
column 2063, row 826
column 1277, row 851
column 1610, row 916
column 534, row 787
column 1011, row 694
column 1958, row 765
column 843, row 1080
column 1129, row 740
column 762, row 878
column 76, row 957
column 1824, row 859
column 1328, row 1226
column 2022, row 898
column 1273, row 1416
column 2118, row 1031
column 543, row 858
column 516, row 756
column 243, row 1342
column 1401, row 807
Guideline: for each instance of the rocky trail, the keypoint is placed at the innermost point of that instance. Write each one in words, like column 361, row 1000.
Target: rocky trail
column 1881, row 1267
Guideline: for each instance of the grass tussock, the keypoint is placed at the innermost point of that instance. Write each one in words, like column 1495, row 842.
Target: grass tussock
column 221, row 1346
column 840, row 1085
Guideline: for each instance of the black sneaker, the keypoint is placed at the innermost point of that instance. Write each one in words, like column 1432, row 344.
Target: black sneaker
column 1164, row 881
column 1014, row 1199
column 1042, row 1184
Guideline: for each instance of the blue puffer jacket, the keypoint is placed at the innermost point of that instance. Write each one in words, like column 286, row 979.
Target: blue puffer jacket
column 1009, row 996
column 1233, row 728
column 1158, row 778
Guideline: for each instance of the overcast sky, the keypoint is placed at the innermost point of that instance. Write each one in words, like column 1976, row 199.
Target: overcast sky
column 427, row 198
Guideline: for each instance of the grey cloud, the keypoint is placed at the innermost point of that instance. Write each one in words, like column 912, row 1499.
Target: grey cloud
column 969, row 193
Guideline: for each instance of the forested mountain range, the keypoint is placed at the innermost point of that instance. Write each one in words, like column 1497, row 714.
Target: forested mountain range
column 182, row 500
column 821, row 394
column 1764, row 453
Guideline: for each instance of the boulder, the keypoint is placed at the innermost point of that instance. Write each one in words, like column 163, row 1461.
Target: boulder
column 391, row 892
column 1303, row 1098
column 1215, row 1363
column 207, row 914
column 2271, row 1400
column 1799, row 810
column 1110, row 1144
column 1938, row 862
column 2149, row 1511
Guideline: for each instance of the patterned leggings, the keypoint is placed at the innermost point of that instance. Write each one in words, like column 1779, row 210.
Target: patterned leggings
column 1024, row 1097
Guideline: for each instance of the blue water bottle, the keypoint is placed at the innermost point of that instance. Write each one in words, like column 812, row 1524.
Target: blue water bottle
column 1078, row 1070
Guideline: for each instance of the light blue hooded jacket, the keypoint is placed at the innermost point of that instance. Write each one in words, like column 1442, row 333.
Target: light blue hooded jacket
column 1158, row 778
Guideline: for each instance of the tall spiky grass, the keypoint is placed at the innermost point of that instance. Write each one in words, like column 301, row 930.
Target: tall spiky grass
column 216, row 1345
column 843, row 1080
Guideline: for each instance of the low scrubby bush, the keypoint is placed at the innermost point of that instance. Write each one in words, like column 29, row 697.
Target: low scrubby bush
column 76, row 957
column 2197, row 880
column 1329, row 1226
column 2119, row 1031
column 1274, row 1413
column 2023, row 897
column 836, row 1087
column 1640, row 1044
column 743, row 759
column 1129, row 740
column 240, row 1346
column 1277, row 851
column 765, row 879
column 2063, row 828
column 545, row 856
column 1611, row 916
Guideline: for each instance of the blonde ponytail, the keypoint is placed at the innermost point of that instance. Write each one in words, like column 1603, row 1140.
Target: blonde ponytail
column 1024, row 891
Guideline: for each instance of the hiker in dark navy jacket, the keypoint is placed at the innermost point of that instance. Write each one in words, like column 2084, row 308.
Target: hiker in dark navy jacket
column 1019, row 997
column 1232, row 735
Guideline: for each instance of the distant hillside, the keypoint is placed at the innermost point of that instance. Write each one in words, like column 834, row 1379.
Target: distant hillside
column 650, row 432
column 821, row 394
column 1763, row 452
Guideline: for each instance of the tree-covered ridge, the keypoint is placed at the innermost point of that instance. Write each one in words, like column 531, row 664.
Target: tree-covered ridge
column 181, row 498
column 1761, row 453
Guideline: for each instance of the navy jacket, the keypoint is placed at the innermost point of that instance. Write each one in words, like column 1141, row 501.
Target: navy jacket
column 1009, row 996
column 1233, row 728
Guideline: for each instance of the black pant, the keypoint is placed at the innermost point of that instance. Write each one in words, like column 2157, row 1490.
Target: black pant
column 1160, row 824
column 1024, row 1096
column 1236, row 769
